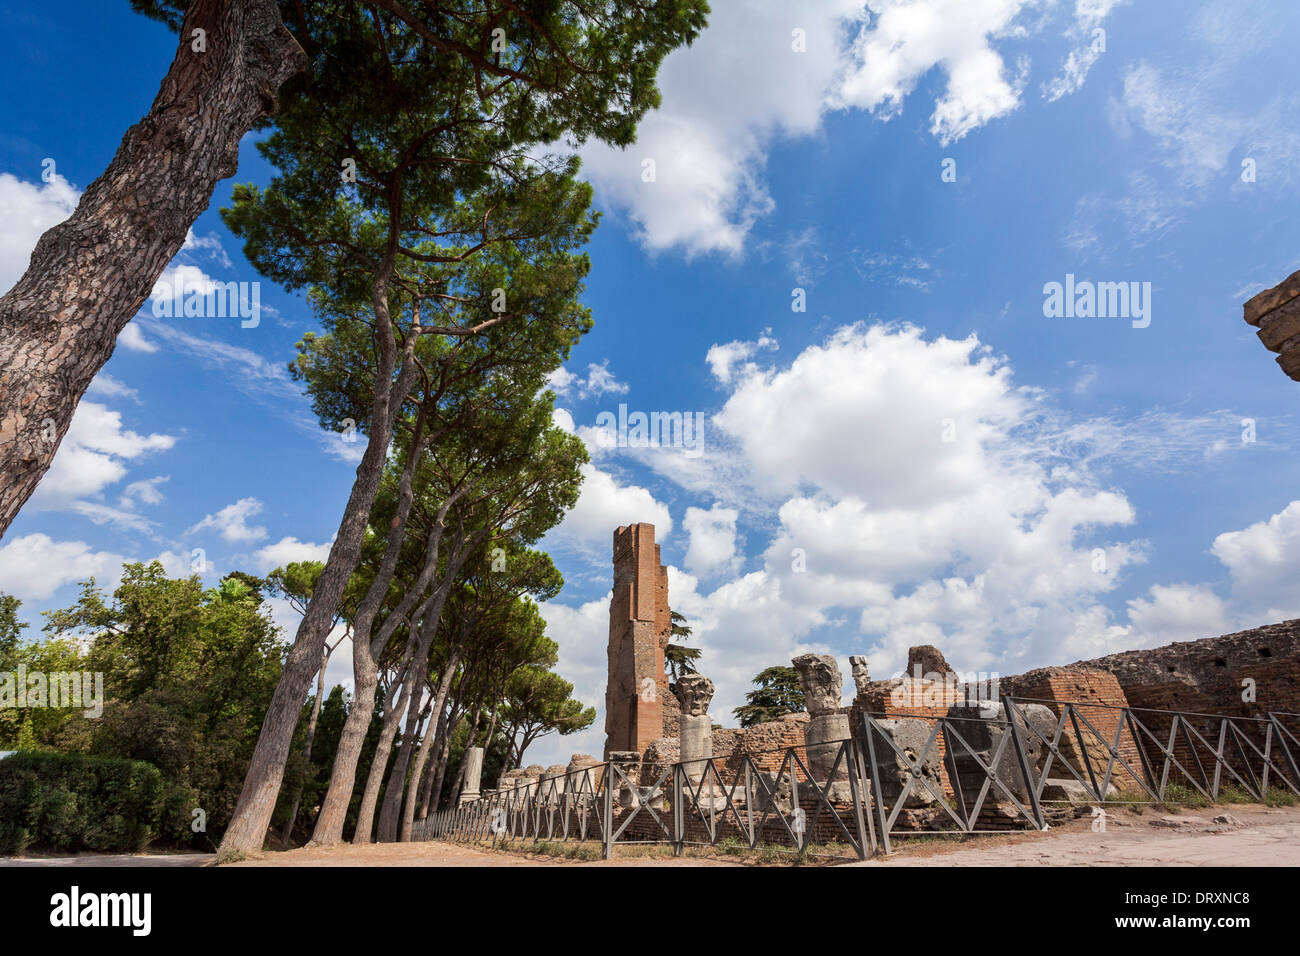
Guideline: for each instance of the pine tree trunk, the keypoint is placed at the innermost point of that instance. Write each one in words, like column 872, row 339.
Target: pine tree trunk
column 91, row 273
column 252, row 815
column 352, row 740
column 378, row 763
column 443, row 739
column 287, row 835
column 388, row 813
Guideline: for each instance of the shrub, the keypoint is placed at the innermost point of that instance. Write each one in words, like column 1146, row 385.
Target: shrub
column 69, row 802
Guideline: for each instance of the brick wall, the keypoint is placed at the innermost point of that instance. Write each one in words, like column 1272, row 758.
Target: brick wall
column 1099, row 695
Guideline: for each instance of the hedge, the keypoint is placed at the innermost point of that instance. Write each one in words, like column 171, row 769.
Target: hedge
column 69, row 802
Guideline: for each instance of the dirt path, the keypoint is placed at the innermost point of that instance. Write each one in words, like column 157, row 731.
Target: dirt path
column 1258, row 836
column 437, row 853
column 1262, row 837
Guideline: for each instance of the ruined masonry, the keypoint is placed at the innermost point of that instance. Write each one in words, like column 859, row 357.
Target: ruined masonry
column 639, row 629
column 648, row 729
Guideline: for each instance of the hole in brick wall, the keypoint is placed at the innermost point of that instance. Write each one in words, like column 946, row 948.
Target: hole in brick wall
column 1265, row 652
column 1220, row 662
column 1171, row 668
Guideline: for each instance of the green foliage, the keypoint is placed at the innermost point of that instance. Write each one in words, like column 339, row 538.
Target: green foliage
column 678, row 658
column 537, row 702
column 11, row 630
column 777, row 693
column 69, row 803
column 188, row 674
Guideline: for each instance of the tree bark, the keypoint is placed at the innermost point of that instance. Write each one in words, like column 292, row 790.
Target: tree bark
column 387, row 828
column 440, row 702
column 287, row 835
column 378, row 764
column 252, row 816
column 91, row 273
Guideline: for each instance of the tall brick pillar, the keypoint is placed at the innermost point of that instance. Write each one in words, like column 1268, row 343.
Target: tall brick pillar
column 639, row 629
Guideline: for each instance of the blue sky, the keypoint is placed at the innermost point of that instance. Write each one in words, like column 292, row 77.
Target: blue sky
column 778, row 170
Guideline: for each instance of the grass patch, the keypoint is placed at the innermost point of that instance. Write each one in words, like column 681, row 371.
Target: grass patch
column 1274, row 797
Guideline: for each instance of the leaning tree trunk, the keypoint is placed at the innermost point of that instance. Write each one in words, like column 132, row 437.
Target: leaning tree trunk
column 392, row 805
column 378, row 763
column 247, row 829
column 440, row 771
column 287, row 834
column 352, row 739
column 91, row 273
column 403, row 831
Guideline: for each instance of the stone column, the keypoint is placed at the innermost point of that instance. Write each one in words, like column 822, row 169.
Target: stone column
column 861, row 676
column 473, row 774
column 819, row 676
column 694, row 692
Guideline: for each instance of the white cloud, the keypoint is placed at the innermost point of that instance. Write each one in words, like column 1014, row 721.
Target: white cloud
column 92, row 456
column 1177, row 612
column 133, row 339
column 119, row 518
column 1089, row 46
column 909, row 38
column 28, row 210
column 231, row 522
column 1261, row 561
column 733, row 357
column 712, row 536
column 604, row 505
column 286, row 551
column 599, row 381
column 35, row 566
column 144, row 491
column 106, row 385
column 742, row 87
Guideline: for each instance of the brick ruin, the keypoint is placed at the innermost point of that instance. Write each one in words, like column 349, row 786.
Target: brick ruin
column 1247, row 674
column 636, row 693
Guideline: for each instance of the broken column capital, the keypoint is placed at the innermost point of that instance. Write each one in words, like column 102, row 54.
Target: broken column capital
column 819, row 676
column 694, row 692
column 861, row 676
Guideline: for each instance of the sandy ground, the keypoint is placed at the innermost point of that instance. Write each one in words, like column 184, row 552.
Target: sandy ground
column 1258, row 836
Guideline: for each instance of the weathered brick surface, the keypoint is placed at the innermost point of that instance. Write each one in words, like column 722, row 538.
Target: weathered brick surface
column 1100, row 696
column 639, row 628
column 907, row 697
column 1210, row 676
column 1207, row 675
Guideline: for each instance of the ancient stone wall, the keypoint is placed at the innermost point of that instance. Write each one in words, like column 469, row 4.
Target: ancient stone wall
column 1207, row 675
column 639, row 628
column 1101, row 695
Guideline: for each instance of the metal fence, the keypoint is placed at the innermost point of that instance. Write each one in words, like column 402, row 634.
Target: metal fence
column 770, row 798
column 906, row 774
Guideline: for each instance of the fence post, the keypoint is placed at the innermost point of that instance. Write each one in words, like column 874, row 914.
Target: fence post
column 876, row 802
column 679, row 821
column 1286, row 748
column 856, row 794
column 607, row 823
column 1030, row 784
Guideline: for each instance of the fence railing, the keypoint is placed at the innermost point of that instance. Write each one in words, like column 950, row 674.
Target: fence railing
column 770, row 798
column 965, row 772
